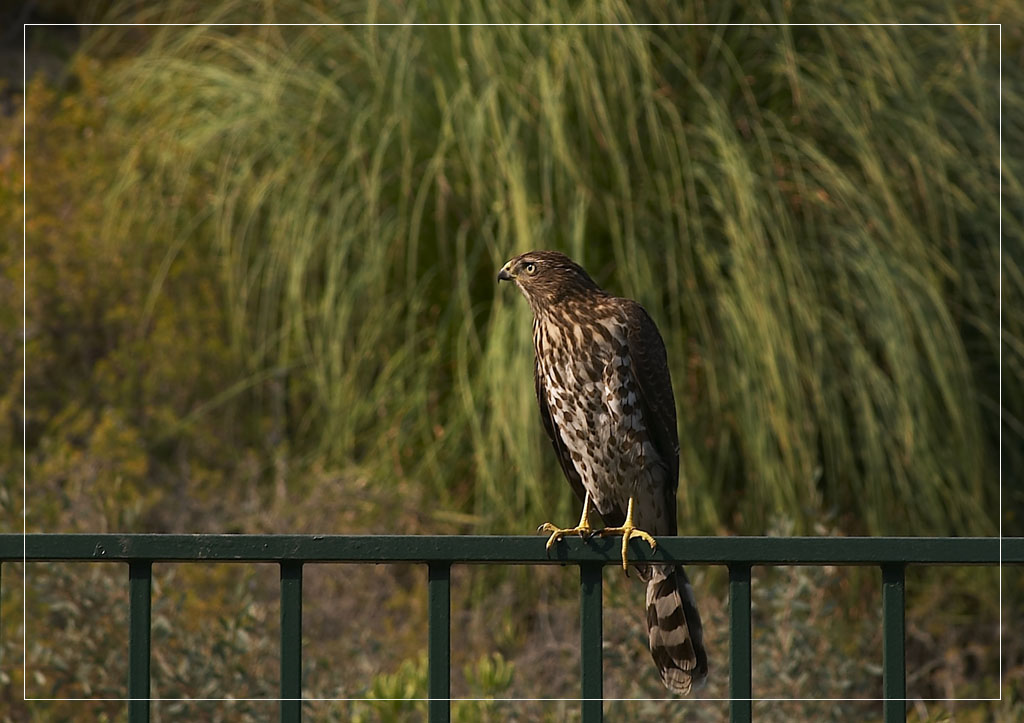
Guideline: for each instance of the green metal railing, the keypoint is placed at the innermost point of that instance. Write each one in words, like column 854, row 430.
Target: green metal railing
column 739, row 554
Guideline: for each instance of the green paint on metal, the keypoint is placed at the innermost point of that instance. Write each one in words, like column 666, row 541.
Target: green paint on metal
column 291, row 641
column 439, row 643
column 894, row 672
column 892, row 554
column 591, row 637
column 740, row 687
column 140, row 578
column 512, row 549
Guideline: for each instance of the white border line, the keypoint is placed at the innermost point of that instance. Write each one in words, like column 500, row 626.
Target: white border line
column 524, row 699
column 999, row 354
column 24, row 363
column 24, row 359
column 518, row 25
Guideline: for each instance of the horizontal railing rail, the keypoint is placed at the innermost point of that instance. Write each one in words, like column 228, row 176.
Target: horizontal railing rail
column 509, row 549
column 739, row 554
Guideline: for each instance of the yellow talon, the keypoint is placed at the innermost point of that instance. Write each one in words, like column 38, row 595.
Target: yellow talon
column 628, row 531
column 583, row 529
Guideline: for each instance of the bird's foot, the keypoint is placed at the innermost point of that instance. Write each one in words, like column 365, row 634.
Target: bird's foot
column 584, row 530
column 628, row 531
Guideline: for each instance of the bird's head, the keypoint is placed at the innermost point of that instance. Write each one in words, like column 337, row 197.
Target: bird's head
column 547, row 277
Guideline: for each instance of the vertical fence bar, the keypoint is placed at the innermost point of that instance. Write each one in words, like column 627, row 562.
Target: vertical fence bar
column 140, row 579
column 591, row 638
column 894, row 669
column 291, row 641
column 439, row 577
column 740, row 708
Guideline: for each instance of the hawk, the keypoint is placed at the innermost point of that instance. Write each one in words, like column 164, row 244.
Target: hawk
column 605, row 396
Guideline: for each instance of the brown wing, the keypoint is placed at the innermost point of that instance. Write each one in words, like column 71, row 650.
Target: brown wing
column 564, row 458
column 657, row 402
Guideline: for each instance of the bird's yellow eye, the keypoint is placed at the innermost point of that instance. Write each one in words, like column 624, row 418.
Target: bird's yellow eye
column 531, row 268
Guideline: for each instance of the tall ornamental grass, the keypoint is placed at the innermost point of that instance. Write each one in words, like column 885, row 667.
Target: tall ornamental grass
column 809, row 213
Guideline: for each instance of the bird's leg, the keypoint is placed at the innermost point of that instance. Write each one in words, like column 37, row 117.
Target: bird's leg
column 583, row 529
column 628, row 531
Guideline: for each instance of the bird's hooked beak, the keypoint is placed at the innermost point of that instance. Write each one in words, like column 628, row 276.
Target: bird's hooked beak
column 505, row 274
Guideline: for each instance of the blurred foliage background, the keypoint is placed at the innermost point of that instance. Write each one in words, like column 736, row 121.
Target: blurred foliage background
column 260, row 283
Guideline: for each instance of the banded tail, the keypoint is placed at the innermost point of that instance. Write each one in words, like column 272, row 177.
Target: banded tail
column 675, row 630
